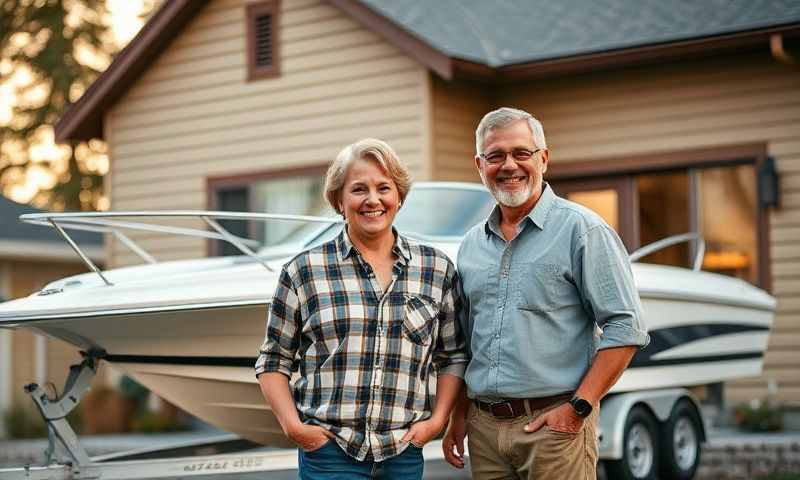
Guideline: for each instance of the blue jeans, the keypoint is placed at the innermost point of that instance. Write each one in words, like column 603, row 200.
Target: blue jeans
column 330, row 462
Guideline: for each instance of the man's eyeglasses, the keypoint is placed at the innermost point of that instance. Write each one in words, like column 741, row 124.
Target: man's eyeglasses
column 499, row 156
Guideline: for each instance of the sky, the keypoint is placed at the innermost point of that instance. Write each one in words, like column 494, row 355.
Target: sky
column 125, row 23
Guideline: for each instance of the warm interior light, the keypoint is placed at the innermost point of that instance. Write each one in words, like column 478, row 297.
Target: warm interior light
column 725, row 261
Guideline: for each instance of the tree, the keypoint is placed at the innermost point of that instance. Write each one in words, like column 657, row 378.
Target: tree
column 50, row 51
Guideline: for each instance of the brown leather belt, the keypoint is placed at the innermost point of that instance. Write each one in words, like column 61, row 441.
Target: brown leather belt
column 515, row 407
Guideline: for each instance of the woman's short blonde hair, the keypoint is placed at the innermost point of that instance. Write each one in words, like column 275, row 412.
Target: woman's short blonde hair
column 371, row 149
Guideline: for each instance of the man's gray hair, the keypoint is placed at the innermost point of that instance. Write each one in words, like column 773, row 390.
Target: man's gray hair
column 501, row 118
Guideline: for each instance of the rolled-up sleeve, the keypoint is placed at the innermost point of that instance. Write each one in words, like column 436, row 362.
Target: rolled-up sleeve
column 449, row 356
column 281, row 341
column 608, row 289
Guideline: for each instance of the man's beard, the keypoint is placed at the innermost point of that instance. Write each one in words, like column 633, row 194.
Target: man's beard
column 509, row 199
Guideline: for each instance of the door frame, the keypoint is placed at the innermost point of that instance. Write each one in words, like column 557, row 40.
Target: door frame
column 625, row 187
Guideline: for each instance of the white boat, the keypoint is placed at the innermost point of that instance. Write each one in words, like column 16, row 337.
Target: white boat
column 190, row 330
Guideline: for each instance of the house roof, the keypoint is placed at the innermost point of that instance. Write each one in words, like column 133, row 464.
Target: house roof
column 508, row 32
column 19, row 239
column 498, row 40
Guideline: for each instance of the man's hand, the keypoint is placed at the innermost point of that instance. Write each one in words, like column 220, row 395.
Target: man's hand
column 454, row 438
column 309, row 437
column 560, row 419
column 421, row 433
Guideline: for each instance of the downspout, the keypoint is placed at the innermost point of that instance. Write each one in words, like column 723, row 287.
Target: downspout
column 778, row 50
column 6, row 358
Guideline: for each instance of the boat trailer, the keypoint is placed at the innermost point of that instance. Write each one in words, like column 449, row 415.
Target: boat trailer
column 66, row 458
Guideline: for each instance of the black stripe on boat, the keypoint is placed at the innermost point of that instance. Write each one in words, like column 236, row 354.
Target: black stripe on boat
column 660, row 340
column 664, row 339
column 174, row 360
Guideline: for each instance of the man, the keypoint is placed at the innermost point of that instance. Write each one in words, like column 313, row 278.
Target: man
column 552, row 317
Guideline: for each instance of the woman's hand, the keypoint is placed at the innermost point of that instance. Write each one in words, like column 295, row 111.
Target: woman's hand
column 453, row 442
column 423, row 432
column 309, row 437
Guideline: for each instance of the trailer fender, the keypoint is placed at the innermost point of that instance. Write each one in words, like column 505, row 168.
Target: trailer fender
column 614, row 411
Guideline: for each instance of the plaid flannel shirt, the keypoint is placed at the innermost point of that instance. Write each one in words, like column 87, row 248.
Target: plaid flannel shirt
column 365, row 356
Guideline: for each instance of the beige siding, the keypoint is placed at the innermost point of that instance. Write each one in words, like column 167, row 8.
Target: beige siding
column 457, row 108
column 193, row 114
column 726, row 101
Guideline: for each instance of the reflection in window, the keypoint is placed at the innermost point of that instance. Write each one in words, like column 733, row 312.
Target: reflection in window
column 301, row 195
column 603, row 202
column 434, row 212
column 663, row 212
column 726, row 200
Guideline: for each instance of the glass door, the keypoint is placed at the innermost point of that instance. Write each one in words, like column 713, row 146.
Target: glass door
column 610, row 197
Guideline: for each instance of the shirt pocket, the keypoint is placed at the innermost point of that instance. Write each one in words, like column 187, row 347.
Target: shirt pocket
column 419, row 319
column 542, row 287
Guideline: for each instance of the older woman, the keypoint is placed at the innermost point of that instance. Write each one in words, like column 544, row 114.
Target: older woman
column 366, row 318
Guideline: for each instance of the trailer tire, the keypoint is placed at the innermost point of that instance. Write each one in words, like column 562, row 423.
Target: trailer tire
column 680, row 440
column 640, row 448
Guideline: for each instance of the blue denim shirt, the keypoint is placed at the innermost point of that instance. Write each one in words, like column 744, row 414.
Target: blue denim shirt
column 539, row 308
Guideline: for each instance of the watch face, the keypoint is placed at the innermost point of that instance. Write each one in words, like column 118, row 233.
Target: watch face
column 582, row 407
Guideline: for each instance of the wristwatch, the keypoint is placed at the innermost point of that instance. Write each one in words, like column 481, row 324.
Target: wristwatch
column 582, row 407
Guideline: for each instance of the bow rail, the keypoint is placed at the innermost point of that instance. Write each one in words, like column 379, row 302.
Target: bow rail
column 696, row 238
column 108, row 222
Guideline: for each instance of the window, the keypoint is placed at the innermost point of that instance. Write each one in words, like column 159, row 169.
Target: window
column 292, row 192
column 717, row 199
column 263, row 60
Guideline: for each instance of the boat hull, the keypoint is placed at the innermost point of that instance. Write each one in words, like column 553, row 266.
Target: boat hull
column 202, row 360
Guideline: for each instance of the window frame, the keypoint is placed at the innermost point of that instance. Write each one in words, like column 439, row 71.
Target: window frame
column 605, row 169
column 243, row 180
column 253, row 10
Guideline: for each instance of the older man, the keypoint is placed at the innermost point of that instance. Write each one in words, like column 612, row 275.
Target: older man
column 540, row 275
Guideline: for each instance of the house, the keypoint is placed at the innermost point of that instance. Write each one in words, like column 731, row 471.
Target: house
column 31, row 256
column 665, row 117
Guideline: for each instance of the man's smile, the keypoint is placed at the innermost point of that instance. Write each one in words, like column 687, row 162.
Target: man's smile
column 512, row 181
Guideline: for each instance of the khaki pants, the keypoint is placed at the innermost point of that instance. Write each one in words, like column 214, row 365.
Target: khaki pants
column 501, row 449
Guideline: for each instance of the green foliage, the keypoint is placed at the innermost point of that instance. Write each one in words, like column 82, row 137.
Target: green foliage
column 49, row 41
column 22, row 422
column 759, row 416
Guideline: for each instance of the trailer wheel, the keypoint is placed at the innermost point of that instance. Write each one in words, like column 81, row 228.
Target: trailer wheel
column 680, row 438
column 640, row 446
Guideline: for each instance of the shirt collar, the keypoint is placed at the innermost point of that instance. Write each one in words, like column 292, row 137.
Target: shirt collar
column 543, row 206
column 401, row 248
column 538, row 214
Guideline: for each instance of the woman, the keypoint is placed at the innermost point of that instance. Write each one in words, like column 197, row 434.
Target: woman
column 365, row 318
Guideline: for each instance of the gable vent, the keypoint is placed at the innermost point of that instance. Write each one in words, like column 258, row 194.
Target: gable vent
column 263, row 40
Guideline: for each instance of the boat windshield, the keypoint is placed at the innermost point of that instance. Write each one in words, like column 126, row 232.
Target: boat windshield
column 429, row 212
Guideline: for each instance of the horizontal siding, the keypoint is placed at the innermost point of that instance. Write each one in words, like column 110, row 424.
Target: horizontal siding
column 192, row 115
column 257, row 155
column 696, row 104
column 226, row 98
column 457, row 107
column 350, row 107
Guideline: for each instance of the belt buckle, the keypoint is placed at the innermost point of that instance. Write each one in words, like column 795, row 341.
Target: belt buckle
column 502, row 409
